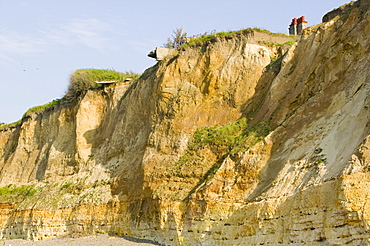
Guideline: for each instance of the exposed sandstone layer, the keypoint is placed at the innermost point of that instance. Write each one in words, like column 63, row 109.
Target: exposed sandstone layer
column 139, row 160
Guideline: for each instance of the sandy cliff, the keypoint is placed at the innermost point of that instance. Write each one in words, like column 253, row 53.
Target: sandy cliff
column 216, row 146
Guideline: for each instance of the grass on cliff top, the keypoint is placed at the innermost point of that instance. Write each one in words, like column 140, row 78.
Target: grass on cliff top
column 84, row 79
column 101, row 75
column 80, row 81
column 206, row 38
column 36, row 109
column 42, row 108
column 13, row 124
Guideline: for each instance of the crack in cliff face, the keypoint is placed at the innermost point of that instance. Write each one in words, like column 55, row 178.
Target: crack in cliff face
column 169, row 158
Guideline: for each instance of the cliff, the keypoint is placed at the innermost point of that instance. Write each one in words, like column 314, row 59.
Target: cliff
column 216, row 146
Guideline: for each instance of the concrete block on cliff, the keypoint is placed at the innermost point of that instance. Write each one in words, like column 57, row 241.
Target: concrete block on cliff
column 161, row 53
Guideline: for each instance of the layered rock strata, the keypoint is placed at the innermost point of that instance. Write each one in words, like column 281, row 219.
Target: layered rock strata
column 216, row 146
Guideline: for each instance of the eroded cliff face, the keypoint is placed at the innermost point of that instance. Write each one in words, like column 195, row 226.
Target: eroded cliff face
column 217, row 146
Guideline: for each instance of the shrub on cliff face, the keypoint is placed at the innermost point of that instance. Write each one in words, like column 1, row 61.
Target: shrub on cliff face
column 84, row 79
column 178, row 38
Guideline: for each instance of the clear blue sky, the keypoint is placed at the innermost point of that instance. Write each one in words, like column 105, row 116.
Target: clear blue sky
column 43, row 41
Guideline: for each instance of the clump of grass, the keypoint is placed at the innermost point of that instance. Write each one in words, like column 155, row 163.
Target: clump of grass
column 66, row 185
column 290, row 42
column 224, row 135
column 14, row 193
column 269, row 44
column 84, row 79
column 74, row 188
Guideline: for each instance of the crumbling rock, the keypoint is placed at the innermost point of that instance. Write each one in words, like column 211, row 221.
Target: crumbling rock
column 124, row 159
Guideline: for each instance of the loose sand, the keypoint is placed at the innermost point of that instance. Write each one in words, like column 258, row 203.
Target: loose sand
column 100, row 240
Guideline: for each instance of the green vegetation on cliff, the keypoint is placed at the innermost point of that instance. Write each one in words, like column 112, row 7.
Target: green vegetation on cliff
column 233, row 137
column 223, row 140
column 84, row 79
column 206, row 153
column 16, row 194
column 42, row 108
column 205, row 38
column 13, row 124
column 81, row 80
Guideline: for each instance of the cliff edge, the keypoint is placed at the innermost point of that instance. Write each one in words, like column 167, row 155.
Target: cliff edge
column 245, row 139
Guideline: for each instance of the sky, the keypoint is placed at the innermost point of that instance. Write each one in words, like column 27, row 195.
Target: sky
column 43, row 41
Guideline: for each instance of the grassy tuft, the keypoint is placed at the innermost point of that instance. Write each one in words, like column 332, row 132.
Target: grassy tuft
column 84, row 79
column 290, row 42
column 66, row 185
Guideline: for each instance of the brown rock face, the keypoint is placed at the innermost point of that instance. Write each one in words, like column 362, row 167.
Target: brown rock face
column 217, row 146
